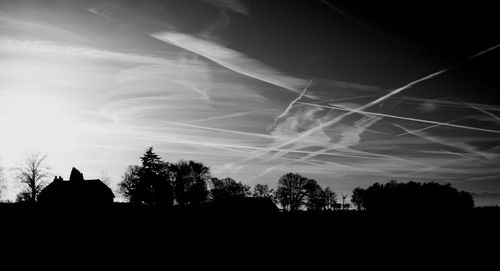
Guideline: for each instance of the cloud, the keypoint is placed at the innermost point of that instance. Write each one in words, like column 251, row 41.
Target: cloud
column 302, row 119
column 427, row 107
column 46, row 49
column 232, row 60
column 32, row 29
column 384, row 97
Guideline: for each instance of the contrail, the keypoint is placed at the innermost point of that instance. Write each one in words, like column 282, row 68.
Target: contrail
column 388, row 95
column 466, row 148
column 361, row 127
column 114, row 147
column 228, row 116
column 218, row 129
column 414, row 100
column 470, row 156
column 406, row 118
column 179, row 140
column 483, row 111
column 268, row 170
column 348, row 98
column 356, row 20
column 357, row 110
column 284, row 113
column 223, row 56
column 431, row 168
column 229, row 59
column 426, row 128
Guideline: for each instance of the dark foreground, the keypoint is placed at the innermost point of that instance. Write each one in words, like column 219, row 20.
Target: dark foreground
column 132, row 232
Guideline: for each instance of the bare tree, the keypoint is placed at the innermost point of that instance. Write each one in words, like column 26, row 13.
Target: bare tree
column 33, row 174
column 291, row 191
column 330, row 198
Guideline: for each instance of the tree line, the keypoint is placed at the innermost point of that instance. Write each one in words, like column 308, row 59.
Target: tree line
column 188, row 183
column 411, row 196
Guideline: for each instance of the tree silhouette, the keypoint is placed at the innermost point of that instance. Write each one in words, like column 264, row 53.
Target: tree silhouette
column 226, row 189
column 330, row 198
column 150, row 183
column 190, row 182
column 262, row 191
column 413, row 196
column 155, row 179
column 32, row 174
column 314, row 196
column 130, row 187
column 23, row 196
column 291, row 192
column 358, row 197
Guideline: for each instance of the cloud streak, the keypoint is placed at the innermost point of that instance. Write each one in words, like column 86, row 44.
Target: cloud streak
column 41, row 48
column 231, row 60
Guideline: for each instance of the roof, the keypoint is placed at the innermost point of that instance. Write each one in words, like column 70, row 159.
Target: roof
column 86, row 191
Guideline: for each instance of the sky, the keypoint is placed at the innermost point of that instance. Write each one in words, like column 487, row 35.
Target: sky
column 345, row 92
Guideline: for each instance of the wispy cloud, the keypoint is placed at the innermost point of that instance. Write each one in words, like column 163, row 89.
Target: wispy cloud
column 349, row 137
column 232, row 60
column 44, row 49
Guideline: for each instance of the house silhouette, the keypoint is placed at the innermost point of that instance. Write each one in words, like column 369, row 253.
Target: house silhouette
column 76, row 192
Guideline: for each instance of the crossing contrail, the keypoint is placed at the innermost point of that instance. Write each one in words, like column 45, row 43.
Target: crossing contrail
column 426, row 128
column 450, row 124
column 469, row 149
column 384, row 97
column 284, row 113
column 484, row 111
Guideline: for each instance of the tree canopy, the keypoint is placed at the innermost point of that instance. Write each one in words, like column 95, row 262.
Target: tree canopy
column 159, row 183
column 291, row 191
column 412, row 196
column 150, row 183
column 227, row 189
column 262, row 191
